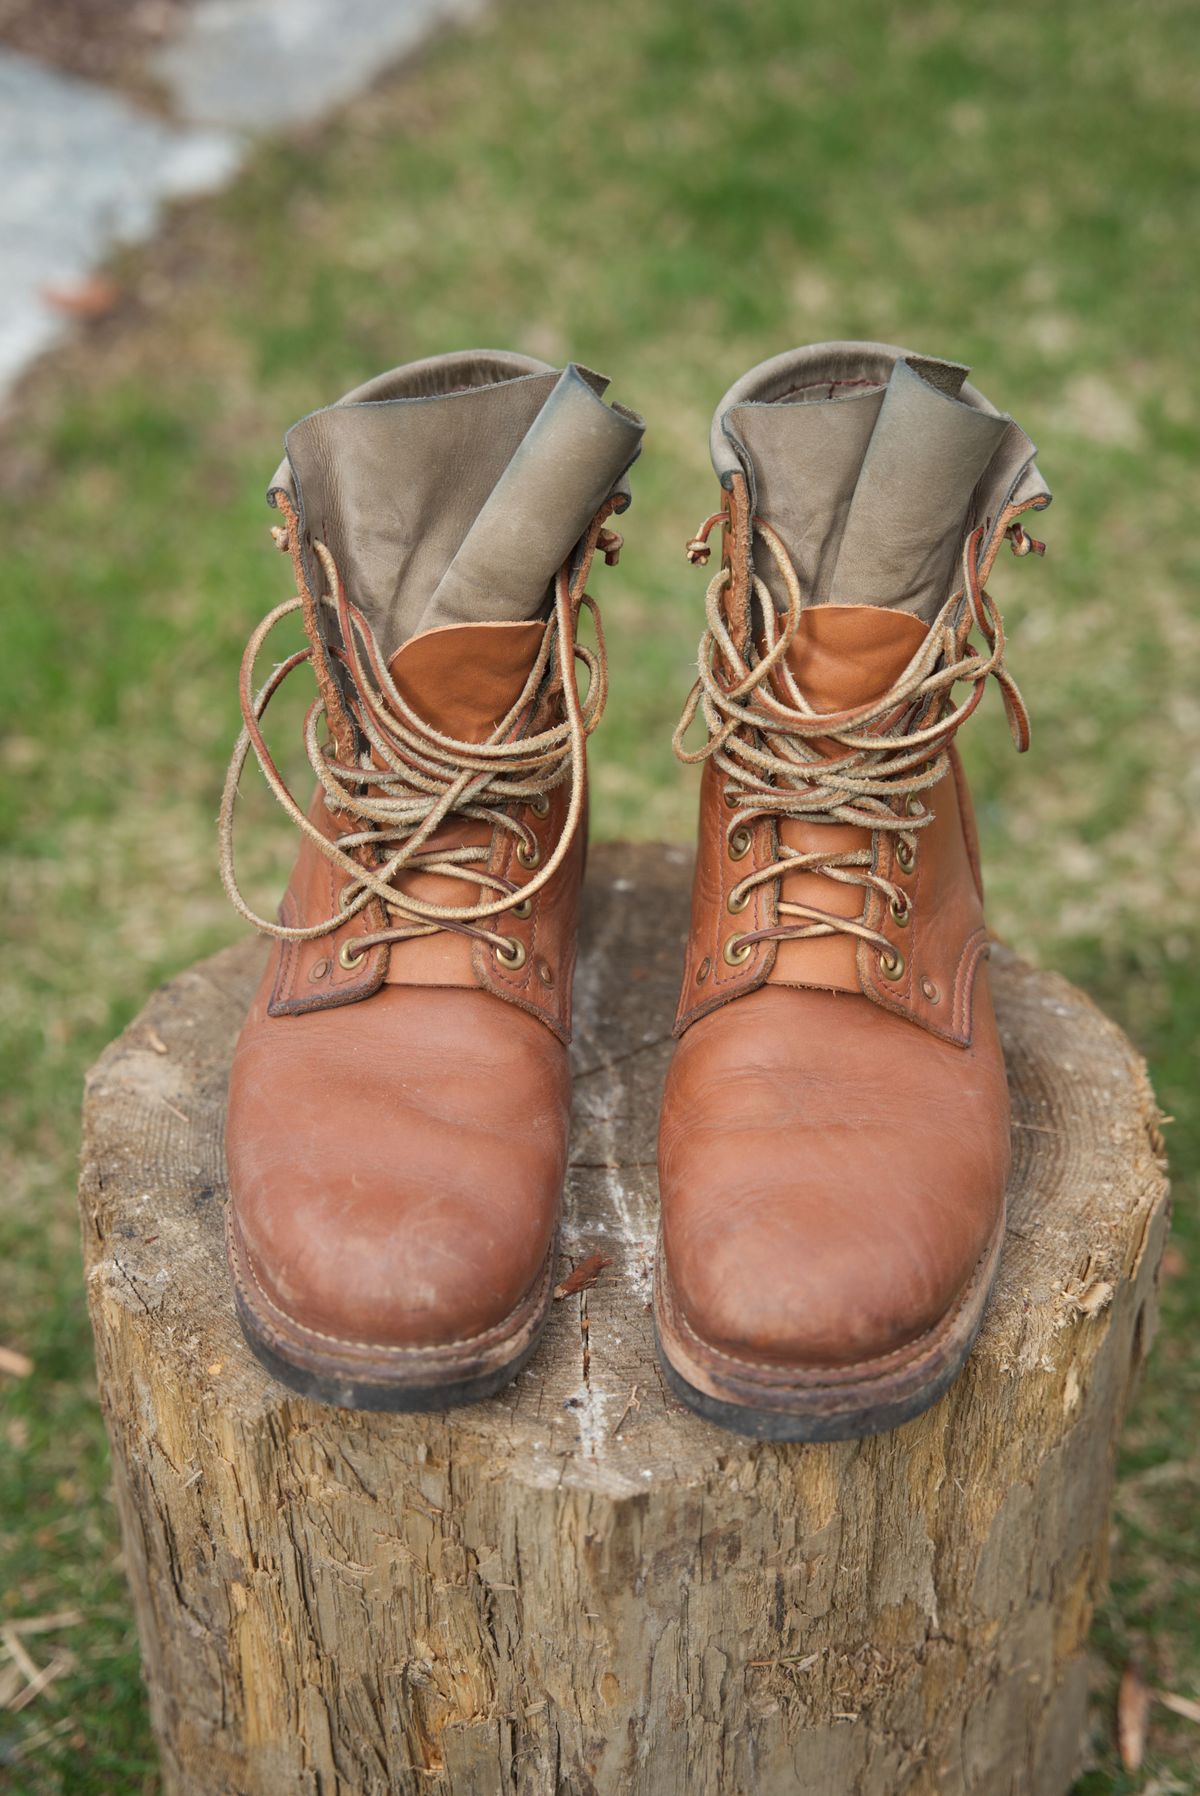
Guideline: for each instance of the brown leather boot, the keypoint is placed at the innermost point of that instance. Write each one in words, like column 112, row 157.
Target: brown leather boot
column 835, row 1130
column 399, row 1097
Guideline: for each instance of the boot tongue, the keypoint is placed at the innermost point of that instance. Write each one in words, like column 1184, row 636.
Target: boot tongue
column 872, row 465
column 452, row 491
column 463, row 679
column 843, row 656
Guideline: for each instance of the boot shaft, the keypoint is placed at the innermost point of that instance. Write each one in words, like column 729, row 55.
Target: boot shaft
column 874, row 465
column 441, row 521
column 867, row 490
column 452, row 490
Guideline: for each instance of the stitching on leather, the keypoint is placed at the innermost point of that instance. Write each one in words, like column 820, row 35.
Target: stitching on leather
column 867, row 1366
column 498, row 1330
column 966, row 818
column 550, row 1005
column 973, row 950
column 283, row 1001
column 816, row 386
column 281, row 991
column 957, row 1032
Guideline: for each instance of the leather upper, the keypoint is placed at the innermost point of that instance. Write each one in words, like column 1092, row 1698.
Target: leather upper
column 397, row 1133
column 452, row 490
column 830, row 1175
column 396, row 1167
column 399, row 1097
column 834, row 1144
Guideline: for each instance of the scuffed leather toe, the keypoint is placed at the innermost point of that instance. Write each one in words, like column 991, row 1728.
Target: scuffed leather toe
column 830, row 1177
column 396, row 1171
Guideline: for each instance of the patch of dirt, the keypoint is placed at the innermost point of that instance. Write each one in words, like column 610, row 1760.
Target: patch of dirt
column 103, row 40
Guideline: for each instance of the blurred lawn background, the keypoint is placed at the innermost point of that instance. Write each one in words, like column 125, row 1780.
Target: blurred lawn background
column 670, row 192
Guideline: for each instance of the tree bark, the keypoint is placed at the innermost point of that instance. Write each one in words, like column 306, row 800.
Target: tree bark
column 578, row 1587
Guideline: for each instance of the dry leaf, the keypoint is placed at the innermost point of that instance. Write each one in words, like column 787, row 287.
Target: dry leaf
column 93, row 297
column 1179, row 1705
column 18, row 1365
column 1133, row 1714
column 583, row 1277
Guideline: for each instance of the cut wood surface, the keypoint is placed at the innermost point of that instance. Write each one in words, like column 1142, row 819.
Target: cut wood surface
column 578, row 1588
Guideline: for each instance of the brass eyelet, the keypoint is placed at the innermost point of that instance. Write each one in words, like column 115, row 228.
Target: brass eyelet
column 348, row 958
column 522, row 909
column 906, row 857
column 512, row 957
column 346, row 897
column 739, row 844
column 901, row 913
column 892, row 964
column 737, row 951
column 732, row 800
column 913, row 806
column 734, row 904
column 530, row 855
column 540, row 806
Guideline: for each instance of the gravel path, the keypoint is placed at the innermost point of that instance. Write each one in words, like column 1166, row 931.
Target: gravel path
column 258, row 65
column 84, row 168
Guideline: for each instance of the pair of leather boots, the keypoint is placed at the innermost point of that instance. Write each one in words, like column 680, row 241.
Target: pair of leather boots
column 835, row 1129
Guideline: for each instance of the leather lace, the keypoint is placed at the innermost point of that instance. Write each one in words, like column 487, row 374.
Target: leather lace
column 408, row 779
column 865, row 765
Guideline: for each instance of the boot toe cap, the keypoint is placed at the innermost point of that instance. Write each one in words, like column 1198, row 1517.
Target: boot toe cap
column 395, row 1176
column 814, row 1214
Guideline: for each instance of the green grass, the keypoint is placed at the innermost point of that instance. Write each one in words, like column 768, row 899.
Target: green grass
column 669, row 192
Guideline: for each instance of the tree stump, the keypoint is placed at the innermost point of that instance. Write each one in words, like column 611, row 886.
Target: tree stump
column 578, row 1587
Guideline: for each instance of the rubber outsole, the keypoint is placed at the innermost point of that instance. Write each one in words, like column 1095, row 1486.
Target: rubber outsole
column 418, row 1381
column 860, row 1401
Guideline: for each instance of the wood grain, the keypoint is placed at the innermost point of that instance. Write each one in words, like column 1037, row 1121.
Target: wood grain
column 578, row 1587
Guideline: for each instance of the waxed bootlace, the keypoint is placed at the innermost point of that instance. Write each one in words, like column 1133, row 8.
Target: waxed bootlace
column 865, row 765
column 395, row 794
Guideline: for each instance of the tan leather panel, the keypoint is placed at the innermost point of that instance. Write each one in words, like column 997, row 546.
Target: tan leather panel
column 543, row 983
column 708, row 979
column 847, row 655
column 842, row 656
column 945, row 938
column 465, row 678
column 829, row 961
column 308, row 975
